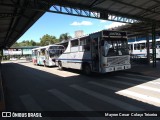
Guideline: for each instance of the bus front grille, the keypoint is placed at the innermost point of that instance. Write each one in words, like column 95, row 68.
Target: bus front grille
column 112, row 61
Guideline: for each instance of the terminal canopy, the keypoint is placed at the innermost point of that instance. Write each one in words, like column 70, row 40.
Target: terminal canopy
column 17, row 16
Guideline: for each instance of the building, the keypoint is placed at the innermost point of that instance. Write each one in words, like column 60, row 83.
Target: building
column 18, row 52
column 79, row 33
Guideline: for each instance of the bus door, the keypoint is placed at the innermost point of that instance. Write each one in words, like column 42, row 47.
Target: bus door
column 95, row 54
column 46, row 57
column 38, row 57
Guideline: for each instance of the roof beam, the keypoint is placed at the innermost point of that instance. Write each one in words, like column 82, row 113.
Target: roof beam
column 85, row 7
column 11, row 25
column 78, row 6
column 156, row 1
column 96, row 2
column 124, row 3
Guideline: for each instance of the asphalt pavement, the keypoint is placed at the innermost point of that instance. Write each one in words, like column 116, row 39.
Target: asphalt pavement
column 36, row 88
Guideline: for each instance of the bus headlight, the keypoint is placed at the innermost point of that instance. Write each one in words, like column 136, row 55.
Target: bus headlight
column 105, row 65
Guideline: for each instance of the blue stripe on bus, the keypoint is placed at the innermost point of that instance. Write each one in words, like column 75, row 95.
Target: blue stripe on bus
column 76, row 59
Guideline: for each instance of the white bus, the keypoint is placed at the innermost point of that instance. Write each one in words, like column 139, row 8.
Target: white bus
column 139, row 48
column 103, row 51
column 46, row 55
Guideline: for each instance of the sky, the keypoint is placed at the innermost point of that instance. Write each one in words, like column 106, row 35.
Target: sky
column 57, row 24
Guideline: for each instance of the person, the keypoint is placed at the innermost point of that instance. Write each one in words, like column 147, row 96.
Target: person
column 96, row 58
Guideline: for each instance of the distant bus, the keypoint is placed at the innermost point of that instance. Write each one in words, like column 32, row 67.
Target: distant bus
column 46, row 55
column 102, row 52
column 139, row 48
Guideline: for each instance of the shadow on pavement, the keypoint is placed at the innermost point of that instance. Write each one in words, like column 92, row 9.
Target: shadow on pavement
column 20, row 80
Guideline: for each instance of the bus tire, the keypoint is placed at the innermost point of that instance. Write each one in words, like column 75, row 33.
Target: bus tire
column 60, row 66
column 87, row 69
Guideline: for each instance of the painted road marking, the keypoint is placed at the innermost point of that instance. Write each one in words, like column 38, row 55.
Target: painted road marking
column 104, row 86
column 76, row 105
column 108, row 99
column 140, row 97
column 31, row 105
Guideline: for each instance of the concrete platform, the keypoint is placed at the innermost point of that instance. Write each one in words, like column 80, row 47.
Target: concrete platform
column 146, row 69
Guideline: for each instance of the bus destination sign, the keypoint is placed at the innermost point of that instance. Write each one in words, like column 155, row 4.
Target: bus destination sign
column 114, row 33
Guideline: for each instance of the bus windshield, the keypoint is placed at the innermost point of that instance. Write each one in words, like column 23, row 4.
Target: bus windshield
column 55, row 51
column 115, row 47
column 34, row 52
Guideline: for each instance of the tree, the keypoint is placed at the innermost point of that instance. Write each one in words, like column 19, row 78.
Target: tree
column 16, row 44
column 48, row 39
column 64, row 36
column 25, row 43
column 33, row 43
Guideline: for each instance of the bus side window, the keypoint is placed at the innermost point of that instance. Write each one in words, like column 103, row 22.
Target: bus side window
column 87, row 47
column 74, row 43
column 84, row 44
column 135, row 46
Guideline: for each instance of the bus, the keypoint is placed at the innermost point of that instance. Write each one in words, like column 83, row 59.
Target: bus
column 102, row 52
column 139, row 48
column 46, row 55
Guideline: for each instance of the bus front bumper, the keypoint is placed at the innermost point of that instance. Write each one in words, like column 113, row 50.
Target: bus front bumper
column 115, row 68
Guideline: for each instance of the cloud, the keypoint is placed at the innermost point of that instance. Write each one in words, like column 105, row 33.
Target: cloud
column 83, row 23
column 114, row 24
column 103, row 21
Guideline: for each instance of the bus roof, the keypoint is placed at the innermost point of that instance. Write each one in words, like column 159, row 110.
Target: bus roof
column 142, row 41
column 42, row 47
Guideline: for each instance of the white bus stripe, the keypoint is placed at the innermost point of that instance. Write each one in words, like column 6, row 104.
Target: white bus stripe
column 31, row 105
column 76, row 105
column 140, row 97
column 108, row 99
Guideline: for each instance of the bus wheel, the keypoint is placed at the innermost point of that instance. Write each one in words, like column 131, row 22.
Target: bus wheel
column 60, row 66
column 87, row 69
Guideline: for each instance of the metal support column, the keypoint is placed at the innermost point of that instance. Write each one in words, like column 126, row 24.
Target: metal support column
column 22, row 51
column 154, row 44
column 147, row 48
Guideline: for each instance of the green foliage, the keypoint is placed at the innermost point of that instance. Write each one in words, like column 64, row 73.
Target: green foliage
column 64, row 36
column 48, row 39
column 16, row 44
column 24, row 43
column 45, row 40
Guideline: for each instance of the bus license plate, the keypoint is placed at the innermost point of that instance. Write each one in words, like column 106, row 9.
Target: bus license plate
column 119, row 68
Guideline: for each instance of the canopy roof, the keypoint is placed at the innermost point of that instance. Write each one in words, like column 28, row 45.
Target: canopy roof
column 17, row 16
